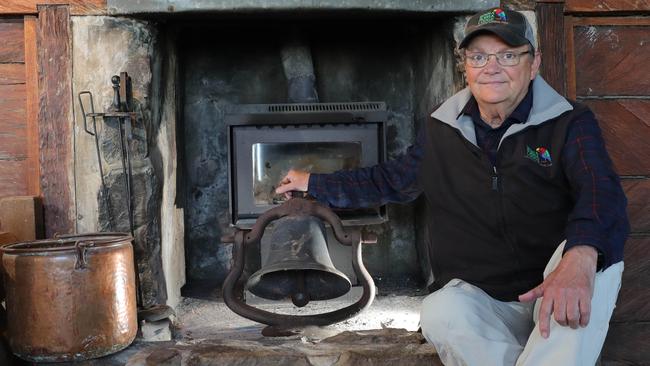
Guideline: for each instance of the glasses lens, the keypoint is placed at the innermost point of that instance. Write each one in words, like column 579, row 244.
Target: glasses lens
column 507, row 58
column 477, row 59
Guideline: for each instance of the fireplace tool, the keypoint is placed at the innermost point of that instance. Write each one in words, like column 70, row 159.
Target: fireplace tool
column 298, row 267
column 119, row 109
column 122, row 110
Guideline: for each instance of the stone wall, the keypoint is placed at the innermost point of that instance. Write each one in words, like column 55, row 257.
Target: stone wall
column 102, row 47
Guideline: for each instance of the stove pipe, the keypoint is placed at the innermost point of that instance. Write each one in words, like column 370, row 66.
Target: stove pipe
column 299, row 70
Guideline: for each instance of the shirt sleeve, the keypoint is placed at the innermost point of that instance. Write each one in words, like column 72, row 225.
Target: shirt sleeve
column 395, row 180
column 599, row 217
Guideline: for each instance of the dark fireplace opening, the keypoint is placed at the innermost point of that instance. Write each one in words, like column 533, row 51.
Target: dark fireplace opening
column 407, row 63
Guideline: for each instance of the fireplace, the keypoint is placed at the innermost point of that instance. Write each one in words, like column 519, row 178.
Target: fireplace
column 203, row 77
column 267, row 140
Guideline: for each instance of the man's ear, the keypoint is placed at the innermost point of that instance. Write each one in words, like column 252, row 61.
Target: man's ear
column 537, row 61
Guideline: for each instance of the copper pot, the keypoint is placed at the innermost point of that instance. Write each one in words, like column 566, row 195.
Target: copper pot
column 71, row 298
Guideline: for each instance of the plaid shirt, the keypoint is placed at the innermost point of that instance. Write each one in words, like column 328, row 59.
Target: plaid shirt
column 598, row 218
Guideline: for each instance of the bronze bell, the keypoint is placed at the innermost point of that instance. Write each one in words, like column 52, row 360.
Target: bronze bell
column 298, row 264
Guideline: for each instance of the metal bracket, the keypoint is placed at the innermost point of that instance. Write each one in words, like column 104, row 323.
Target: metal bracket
column 233, row 294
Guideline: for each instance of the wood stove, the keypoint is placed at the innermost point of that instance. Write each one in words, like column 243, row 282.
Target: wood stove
column 266, row 140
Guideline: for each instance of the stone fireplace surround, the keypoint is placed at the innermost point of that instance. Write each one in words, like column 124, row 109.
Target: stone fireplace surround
column 190, row 60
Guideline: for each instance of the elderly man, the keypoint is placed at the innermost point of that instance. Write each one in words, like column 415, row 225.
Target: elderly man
column 526, row 216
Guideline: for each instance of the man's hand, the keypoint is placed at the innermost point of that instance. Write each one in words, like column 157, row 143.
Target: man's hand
column 295, row 180
column 567, row 290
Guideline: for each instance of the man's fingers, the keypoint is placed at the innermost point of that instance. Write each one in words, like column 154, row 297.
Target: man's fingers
column 560, row 310
column 533, row 294
column 585, row 311
column 545, row 316
column 285, row 187
column 573, row 313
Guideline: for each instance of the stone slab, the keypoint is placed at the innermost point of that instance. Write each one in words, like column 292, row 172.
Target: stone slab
column 180, row 6
column 377, row 347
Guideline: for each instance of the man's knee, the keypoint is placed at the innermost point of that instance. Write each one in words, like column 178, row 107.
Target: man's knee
column 447, row 308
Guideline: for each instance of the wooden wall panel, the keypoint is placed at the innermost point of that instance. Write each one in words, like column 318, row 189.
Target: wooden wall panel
column 612, row 60
column 12, row 47
column 626, row 129
column 13, row 136
column 77, row 7
column 638, row 204
column 634, row 297
column 550, row 17
column 627, row 344
column 12, row 74
column 607, row 5
column 12, row 177
column 55, row 116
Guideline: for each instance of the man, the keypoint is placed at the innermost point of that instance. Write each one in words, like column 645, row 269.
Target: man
column 527, row 217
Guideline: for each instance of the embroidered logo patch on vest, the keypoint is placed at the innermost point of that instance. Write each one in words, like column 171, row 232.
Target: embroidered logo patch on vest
column 540, row 155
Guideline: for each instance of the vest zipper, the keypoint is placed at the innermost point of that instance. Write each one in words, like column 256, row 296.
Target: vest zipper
column 502, row 217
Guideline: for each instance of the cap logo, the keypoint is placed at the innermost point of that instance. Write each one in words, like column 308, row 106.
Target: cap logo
column 539, row 155
column 493, row 16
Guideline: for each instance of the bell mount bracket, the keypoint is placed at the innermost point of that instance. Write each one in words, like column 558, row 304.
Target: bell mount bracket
column 233, row 290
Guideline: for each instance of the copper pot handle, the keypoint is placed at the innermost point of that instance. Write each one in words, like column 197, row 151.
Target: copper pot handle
column 80, row 247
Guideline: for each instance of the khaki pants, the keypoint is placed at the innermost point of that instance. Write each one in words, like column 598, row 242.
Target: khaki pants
column 468, row 327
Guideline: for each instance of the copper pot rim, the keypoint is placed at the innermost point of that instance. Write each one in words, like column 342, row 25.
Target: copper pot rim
column 68, row 243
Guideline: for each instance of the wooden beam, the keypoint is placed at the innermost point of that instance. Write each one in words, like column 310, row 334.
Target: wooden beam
column 550, row 23
column 29, row 7
column 31, row 115
column 607, row 6
column 55, row 117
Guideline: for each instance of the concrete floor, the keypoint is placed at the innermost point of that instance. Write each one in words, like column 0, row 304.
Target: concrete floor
column 201, row 322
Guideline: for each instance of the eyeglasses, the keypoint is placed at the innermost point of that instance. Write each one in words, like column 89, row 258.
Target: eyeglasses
column 479, row 59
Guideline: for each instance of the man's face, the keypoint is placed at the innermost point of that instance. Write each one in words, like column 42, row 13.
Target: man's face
column 497, row 84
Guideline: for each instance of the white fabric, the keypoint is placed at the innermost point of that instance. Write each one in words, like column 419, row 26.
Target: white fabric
column 468, row 327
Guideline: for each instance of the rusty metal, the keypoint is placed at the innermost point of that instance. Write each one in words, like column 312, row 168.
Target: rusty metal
column 71, row 298
column 233, row 290
column 298, row 265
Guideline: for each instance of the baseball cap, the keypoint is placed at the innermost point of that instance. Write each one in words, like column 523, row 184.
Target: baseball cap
column 509, row 25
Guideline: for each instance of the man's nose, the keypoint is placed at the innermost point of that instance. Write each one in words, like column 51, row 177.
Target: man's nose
column 492, row 65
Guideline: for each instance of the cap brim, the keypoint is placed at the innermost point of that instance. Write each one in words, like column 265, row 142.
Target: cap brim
column 512, row 39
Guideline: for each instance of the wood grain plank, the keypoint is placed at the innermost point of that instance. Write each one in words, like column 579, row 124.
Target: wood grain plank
column 626, row 129
column 12, row 74
column 610, row 59
column 55, row 117
column 11, row 34
column 627, row 344
column 569, row 22
column 633, row 302
column 12, row 178
column 611, row 20
column 31, row 106
column 77, row 7
column 12, row 122
column 607, row 5
column 550, row 19
column 638, row 202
